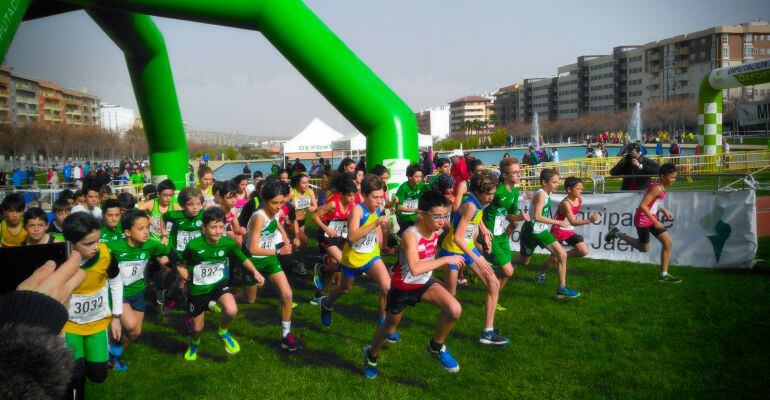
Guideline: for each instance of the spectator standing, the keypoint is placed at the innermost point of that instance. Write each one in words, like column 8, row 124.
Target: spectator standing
column 246, row 169
column 634, row 162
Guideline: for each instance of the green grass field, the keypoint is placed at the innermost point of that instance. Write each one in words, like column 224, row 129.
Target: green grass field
column 628, row 336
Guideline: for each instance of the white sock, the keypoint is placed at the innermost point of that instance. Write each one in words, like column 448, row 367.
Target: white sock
column 492, row 329
column 286, row 327
column 664, row 273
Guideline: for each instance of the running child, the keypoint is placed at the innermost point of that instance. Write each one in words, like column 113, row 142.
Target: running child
column 156, row 207
column 536, row 231
column 111, row 229
column 412, row 282
column 361, row 252
column 94, row 315
column 177, row 228
column 460, row 240
column 133, row 253
column 263, row 231
column 568, row 209
column 226, row 198
column 35, row 224
column 332, row 221
column 500, row 218
column 408, row 195
column 205, row 184
column 205, row 267
column 61, row 210
column 303, row 199
column 241, row 197
column 12, row 231
column 646, row 222
column 386, row 204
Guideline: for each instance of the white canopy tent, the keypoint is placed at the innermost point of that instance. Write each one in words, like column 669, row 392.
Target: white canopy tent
column 315, row 138
column 356, row 142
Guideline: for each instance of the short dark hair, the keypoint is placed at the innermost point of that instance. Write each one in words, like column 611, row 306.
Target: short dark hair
column 13, row 202
column 238, row 178
column 110, row 203
column 429, row 200
column 371, row 183
column 166, row 185
column 344, row 183
column 149, row 189
column 105, row 189
column 187, row 194
column 344, row 163
column 271, row 189
column 296, row 179
column 90, row 189
column 473, row 164
column 65, row 194
column 128, row 219
column 35, row 213
column 203, row 170
column 127, row 200
column 79, row 225
column 257, row 174
column 226, row 187
column 442, row 161
column 78, row 193
column 213, row 214
column 571, row 181
column 483, row 182
column 412, row 169
column 379, row 169
column 667, row 168
column 507, row 162
column 633, row 146
column 61, row 205
column 547, row 174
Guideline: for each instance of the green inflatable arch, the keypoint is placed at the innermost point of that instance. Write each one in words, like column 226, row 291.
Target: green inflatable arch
column 295, row 31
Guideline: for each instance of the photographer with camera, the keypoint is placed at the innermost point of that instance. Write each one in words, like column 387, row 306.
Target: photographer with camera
column 634, row 163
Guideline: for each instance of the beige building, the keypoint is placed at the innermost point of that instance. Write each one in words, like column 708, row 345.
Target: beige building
column 470, row 108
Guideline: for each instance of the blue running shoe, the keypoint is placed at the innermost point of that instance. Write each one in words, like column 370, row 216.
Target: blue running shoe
column 116, row 349
column 119, row 365
column 395, row 337
column 326, row 312
column 318, row 276
column 492, row 338
column 192, row 351
column 566, row 293
column 444, row 358
column 231, row 345
column 370, row 368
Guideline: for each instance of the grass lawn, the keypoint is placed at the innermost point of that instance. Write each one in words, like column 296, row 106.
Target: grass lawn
column 628, row 336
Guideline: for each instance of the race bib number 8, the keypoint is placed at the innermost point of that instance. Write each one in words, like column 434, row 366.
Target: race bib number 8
column 85, row 308
column 208, row 273
column 184, row 237
column 131, row 271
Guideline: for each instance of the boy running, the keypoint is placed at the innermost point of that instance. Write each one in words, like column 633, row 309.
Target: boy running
column 263, row 230
column 568, row 209
column 535, row 232
column 61, row 209
column 461, row 239
column 35, row 224
column 412, row 282
column 205, row 268
column 111, row 230
column 408, row 195
column 158, row 206
column 12, row 231
column 92, row 310
column 646, row 221
column 132, row 253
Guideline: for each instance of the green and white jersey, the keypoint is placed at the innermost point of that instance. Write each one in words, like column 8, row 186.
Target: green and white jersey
column 207, row 263
column 505, row 203
column 268, row 235
column 110, row 235
column 539, row 227
column 408, row 197
column 183, row 228
column 132, row 262
column 156, row 215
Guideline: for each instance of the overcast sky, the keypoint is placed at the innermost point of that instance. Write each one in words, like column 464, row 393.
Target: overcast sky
column 429, row 51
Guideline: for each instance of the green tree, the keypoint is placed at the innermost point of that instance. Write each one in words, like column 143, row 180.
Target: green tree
column 472, row 142
column 499, row 137
column 229, row 153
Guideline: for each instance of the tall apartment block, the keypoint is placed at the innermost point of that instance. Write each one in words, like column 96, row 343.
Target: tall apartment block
column 433, row 121
column 665, row 70
column 26, row 100
column 470, row 108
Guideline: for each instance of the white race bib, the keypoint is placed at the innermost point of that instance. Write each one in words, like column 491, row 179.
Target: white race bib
column 469, row 232
column 540, row 227
column 501, row 224
column 655, row 207
column 184, row 237
column 131, row 271
column 339, row 227
column 153, row 228
column 301, row 203
column 208, row 273
column 366, row 243
column 410, row 203
column 267, row 241
column 85, row 308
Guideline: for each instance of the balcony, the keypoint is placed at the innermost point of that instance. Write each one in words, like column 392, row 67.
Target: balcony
column 683, row 64
column 654, row 56
column 683, row 51
column 26, row 100
column 27, row 113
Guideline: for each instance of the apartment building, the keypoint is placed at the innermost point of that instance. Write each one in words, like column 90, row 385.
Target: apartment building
column 434, row 121
column 506, row 104
column 469, row 108
column 567, row 95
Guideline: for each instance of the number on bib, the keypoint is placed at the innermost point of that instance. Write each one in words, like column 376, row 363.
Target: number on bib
column 302, row 203
column 339, row 227
column 410, row 203
column 469, row 232
column 184, row 237
column 208, row 273
column 366, row 243
column 85, row 308
column 131, row 271
column 501, row 224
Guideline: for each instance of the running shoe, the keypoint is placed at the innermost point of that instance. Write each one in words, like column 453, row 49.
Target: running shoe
column 316, row 298
column 318, row 280
column 541, row 279
column 498, row 307
column 231, row 346
column 566, row 293
column 294, row 305
column 192, row 351
column 668, row 278
column 612, row 234
column 116, row 349
column 492, row 338
column 214, row 307
column 326, row 312
column 289, row 343
column 370, row 368
column 300, row 269
column 160, row 296
column 462, row 281
column 444, row 358
column 119, row 365
column 395, row 337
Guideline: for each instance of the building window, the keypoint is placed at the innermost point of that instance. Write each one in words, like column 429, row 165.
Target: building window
column 702, row 40
column 725, row 52
column 724, row 38
column 703, row 55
